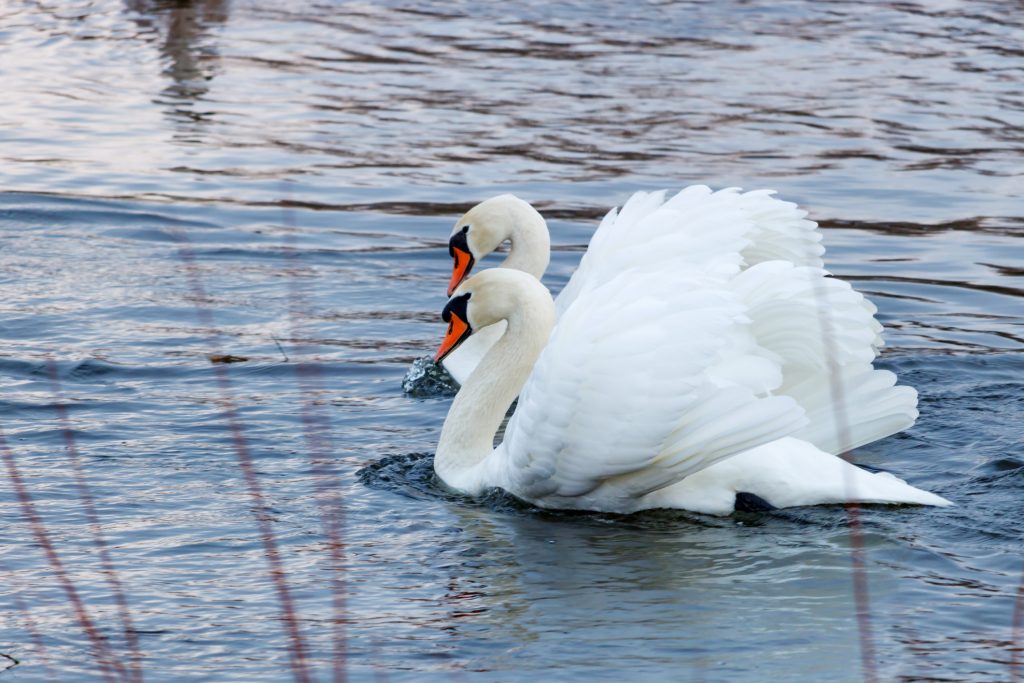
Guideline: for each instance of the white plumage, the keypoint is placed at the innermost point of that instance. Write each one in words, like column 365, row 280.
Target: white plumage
column 700, row 351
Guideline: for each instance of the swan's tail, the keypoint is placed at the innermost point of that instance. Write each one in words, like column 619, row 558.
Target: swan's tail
column 814, row 478
column 786, row 473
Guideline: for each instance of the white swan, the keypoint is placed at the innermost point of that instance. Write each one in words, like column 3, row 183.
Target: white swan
column 677, row 377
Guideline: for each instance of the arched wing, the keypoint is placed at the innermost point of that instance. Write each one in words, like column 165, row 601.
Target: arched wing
column 771, row 229
column 652, row 374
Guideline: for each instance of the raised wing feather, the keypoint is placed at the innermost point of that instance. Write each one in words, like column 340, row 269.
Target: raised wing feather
column 780, row 231
column 770, row 229
column 825, row 336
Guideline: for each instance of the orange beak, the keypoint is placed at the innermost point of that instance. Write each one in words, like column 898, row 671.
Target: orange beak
column 458, row 330
column 463, row 263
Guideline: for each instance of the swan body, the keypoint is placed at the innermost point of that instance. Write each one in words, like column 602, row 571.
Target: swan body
column 688, row 365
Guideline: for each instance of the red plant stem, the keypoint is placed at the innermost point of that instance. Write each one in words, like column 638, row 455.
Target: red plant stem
column 318, row 444
column 109, row 664
column 861, row 596
column 1018, row 631
column 30, row 626
column 331, row 511
column 88, row 502
column 297, row 648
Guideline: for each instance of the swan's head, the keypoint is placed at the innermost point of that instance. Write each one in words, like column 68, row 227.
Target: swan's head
column 488, row 297
column 490, row 223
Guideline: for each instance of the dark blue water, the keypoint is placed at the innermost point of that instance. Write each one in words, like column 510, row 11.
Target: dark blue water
column 273, row 183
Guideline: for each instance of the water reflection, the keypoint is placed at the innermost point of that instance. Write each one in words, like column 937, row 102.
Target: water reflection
column 677, row 584
column 823, row 101
column 185, row 29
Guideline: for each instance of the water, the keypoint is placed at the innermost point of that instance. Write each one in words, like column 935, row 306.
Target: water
column 275, row 182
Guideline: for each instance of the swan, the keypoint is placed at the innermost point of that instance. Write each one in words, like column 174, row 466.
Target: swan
column 692, row 373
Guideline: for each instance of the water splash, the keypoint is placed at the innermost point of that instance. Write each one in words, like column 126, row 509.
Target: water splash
column 426, row 378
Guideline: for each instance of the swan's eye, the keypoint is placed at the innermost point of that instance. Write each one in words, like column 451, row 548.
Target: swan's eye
column 465, row 229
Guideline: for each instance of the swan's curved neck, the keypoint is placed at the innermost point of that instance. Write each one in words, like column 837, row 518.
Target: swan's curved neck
column 530, row 249
column 467, row 437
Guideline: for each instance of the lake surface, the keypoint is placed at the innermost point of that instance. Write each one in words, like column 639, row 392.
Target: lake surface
column 273, row 183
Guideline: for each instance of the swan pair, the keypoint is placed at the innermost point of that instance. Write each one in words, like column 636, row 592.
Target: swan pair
column 699, row 358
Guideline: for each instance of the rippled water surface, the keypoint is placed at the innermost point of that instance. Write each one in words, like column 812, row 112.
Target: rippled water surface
column 272, row 183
